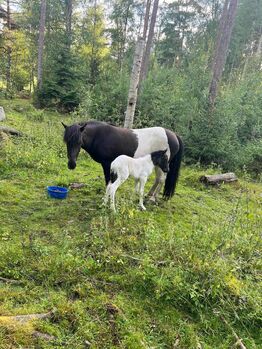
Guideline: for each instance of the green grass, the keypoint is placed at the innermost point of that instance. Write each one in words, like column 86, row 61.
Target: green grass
column 131, row 280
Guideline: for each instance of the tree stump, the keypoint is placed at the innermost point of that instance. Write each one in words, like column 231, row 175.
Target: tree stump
column 218, row 178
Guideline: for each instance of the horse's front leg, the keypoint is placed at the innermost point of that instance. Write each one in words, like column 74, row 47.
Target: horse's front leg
column 106, row 168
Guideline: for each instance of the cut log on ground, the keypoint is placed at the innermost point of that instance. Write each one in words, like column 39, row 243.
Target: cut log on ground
column 10, row 130
column 219, row 178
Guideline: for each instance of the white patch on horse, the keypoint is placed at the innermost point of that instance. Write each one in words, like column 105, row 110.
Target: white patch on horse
column 151, row 139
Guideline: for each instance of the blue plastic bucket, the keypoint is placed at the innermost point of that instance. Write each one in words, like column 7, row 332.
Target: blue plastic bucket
column 57, row 192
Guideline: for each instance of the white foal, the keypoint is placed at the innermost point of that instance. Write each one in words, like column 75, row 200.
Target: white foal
column 140, row 168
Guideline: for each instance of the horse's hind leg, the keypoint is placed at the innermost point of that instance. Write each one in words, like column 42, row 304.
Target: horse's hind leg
column 159, row 181
column 162, row 179
column 151, row 194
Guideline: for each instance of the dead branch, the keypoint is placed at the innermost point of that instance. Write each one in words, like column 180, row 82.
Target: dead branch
column 239, row 341
column 26, row 318
column 10, row 281
column 44, row 336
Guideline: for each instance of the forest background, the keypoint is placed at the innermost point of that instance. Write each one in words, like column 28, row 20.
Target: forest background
column 87, row 59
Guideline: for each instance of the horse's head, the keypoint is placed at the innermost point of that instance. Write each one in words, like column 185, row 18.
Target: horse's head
column 73, row 140
column 160, row 159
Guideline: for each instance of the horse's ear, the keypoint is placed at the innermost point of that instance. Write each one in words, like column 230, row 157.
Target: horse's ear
column 64, row 124
column 82, row 128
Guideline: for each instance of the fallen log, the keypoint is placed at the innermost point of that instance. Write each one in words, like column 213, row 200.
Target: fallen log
column 218, row 178
column 10, row 130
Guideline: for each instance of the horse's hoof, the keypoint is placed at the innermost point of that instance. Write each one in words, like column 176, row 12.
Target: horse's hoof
column 152, row 199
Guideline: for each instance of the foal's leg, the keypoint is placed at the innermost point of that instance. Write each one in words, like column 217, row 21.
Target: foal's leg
column 137, row 185
column 114, row 186
column 141, row 192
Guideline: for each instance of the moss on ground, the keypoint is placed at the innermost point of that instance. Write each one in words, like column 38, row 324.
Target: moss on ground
column 131, row 280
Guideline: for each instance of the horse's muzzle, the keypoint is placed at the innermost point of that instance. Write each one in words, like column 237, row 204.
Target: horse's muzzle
column 71, row 165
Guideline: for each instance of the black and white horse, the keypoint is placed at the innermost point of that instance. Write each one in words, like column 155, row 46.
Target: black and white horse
column 139, row 168
column 105, row 142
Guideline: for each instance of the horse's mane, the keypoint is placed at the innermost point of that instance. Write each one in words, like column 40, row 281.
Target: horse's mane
column 72, row 134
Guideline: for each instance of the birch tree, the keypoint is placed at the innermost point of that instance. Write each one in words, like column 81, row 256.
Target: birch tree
column 134, row 80
column 9, row 49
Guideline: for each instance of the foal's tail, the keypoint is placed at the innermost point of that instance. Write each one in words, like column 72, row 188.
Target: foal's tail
column 173, row 174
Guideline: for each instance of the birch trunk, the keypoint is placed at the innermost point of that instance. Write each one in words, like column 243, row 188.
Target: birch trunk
column 41, row 41
column 9, row 49
column 134, row 80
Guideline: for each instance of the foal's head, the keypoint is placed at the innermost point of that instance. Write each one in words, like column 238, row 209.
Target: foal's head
column 160, row 159
column 73, row 140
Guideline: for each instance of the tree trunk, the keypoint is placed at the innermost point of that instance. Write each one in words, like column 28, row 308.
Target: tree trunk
column 94, row 58
column 221, row 29
column 9, row 49
column 223, row 40
column 41, row 45
column 146, row 19
column 259, row 47
column 132, row 94
column 69, row 23
column 146, row 56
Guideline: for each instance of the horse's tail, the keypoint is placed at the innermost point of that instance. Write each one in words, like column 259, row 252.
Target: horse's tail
column 173, row 174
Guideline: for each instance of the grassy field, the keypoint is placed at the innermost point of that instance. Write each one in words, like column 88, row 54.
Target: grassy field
column 184, row 274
